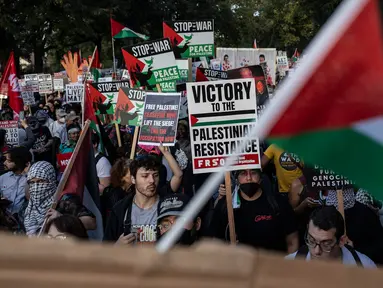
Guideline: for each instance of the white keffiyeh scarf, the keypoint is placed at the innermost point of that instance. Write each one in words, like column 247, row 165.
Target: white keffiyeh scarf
column 41, row 195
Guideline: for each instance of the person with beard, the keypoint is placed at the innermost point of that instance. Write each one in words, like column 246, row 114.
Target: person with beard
column 138, row 211
column 262, row 220
column 41, row 148
column 13, row 183
column 170, row 208
column 42, row 187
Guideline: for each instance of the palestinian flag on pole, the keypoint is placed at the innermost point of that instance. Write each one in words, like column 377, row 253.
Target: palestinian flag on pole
column 82, row 179
column 296, row 56
column 10, row 87
column 331, row 111
column 95, row 66
column 120, row 31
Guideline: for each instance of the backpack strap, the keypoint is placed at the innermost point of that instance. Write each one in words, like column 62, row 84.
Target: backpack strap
column 354, row 254
column 302, row 252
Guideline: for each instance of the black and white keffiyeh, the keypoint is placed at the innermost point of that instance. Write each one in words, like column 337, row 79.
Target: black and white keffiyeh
column 348, row 198
column 41, row 195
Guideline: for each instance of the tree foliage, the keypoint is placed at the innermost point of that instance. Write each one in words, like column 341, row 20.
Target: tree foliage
column 44, row 30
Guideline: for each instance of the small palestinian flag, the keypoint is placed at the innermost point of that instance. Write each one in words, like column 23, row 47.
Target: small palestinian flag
column 296, row 56
column 95, row 66
column 119, row 31
column 335, row 113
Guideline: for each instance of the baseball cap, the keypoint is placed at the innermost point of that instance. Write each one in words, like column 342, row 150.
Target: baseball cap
column 61, row 113
column 172, row 205
column 71, row 117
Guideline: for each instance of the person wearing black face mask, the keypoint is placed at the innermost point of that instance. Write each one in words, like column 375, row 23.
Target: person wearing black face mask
column 169, row 209
column 262, row 219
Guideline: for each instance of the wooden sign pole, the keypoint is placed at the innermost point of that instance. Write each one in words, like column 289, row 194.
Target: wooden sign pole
column 339, row 196
column 230, row 212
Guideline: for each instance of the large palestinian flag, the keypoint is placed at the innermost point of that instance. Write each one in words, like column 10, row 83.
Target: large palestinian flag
column 82, row 180
column 331, row 113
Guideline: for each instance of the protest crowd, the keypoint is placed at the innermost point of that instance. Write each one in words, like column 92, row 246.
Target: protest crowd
column 118, row 158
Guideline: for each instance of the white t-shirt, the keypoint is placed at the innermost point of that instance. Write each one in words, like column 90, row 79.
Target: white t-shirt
column 348, row 259
column 103, row 167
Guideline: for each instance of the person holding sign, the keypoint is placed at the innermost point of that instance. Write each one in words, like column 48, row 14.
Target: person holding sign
column 135, row 218
column 262, row 220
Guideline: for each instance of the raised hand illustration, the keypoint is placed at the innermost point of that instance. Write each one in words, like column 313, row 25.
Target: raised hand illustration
column 70, row 64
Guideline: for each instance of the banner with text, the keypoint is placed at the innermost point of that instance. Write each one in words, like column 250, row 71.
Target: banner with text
column 12, row 132
column 221, row 115
column 130, row 106
column 191, row 39
column 74, row 93
column 63, row 160
column 160, row 119
column 151, row 63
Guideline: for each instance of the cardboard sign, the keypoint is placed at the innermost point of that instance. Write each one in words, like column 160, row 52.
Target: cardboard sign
column 160, row 119
column 58, row 84
column 31, row 83
column 130, row 106
column 74, row 93
column 12, row 135
column 105, row 79
column 191, row 39
column 221, row 114
column 319, row 178
column 282, row 65
column 151, row 63
column 254, row 71
column 45, row 83
column 63, row 160
column 28, row 98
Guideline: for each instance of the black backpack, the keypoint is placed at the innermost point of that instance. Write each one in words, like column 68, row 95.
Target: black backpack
column 302, row 253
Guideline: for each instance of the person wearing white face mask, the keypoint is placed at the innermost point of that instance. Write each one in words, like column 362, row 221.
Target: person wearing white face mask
column 57, row 126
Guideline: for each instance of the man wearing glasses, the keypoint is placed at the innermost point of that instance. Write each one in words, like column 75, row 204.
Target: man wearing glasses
column 325, row 240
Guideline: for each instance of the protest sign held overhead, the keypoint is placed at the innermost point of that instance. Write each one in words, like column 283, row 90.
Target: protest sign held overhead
column 151, row 63
column 74, row 93
column 254, row 71
column 45, row 83
column 59, row 84
column 12, row 132
column 221, row 114
column 31, row 83
column 130, row 106
column 319, row 178
column 160, row 119
column 282, row 63
column 191, row 39
column 105, row 94
column 28, row 98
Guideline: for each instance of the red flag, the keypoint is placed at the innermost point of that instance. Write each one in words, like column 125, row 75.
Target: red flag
column 88, row 105
column 10, row 86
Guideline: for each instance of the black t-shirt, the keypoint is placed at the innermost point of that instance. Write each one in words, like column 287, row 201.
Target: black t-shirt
column 258, row 225
column 42, row 138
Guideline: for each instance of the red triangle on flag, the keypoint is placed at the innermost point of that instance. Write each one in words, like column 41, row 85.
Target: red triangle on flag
column 132, row 65
column 123, row 101
column 193, row 120
column 115, row 27
column 171, row 34
column 95, row 95
column 200, row 76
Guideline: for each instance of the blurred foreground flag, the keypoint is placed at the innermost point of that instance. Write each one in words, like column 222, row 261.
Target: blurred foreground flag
column 331, row 112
